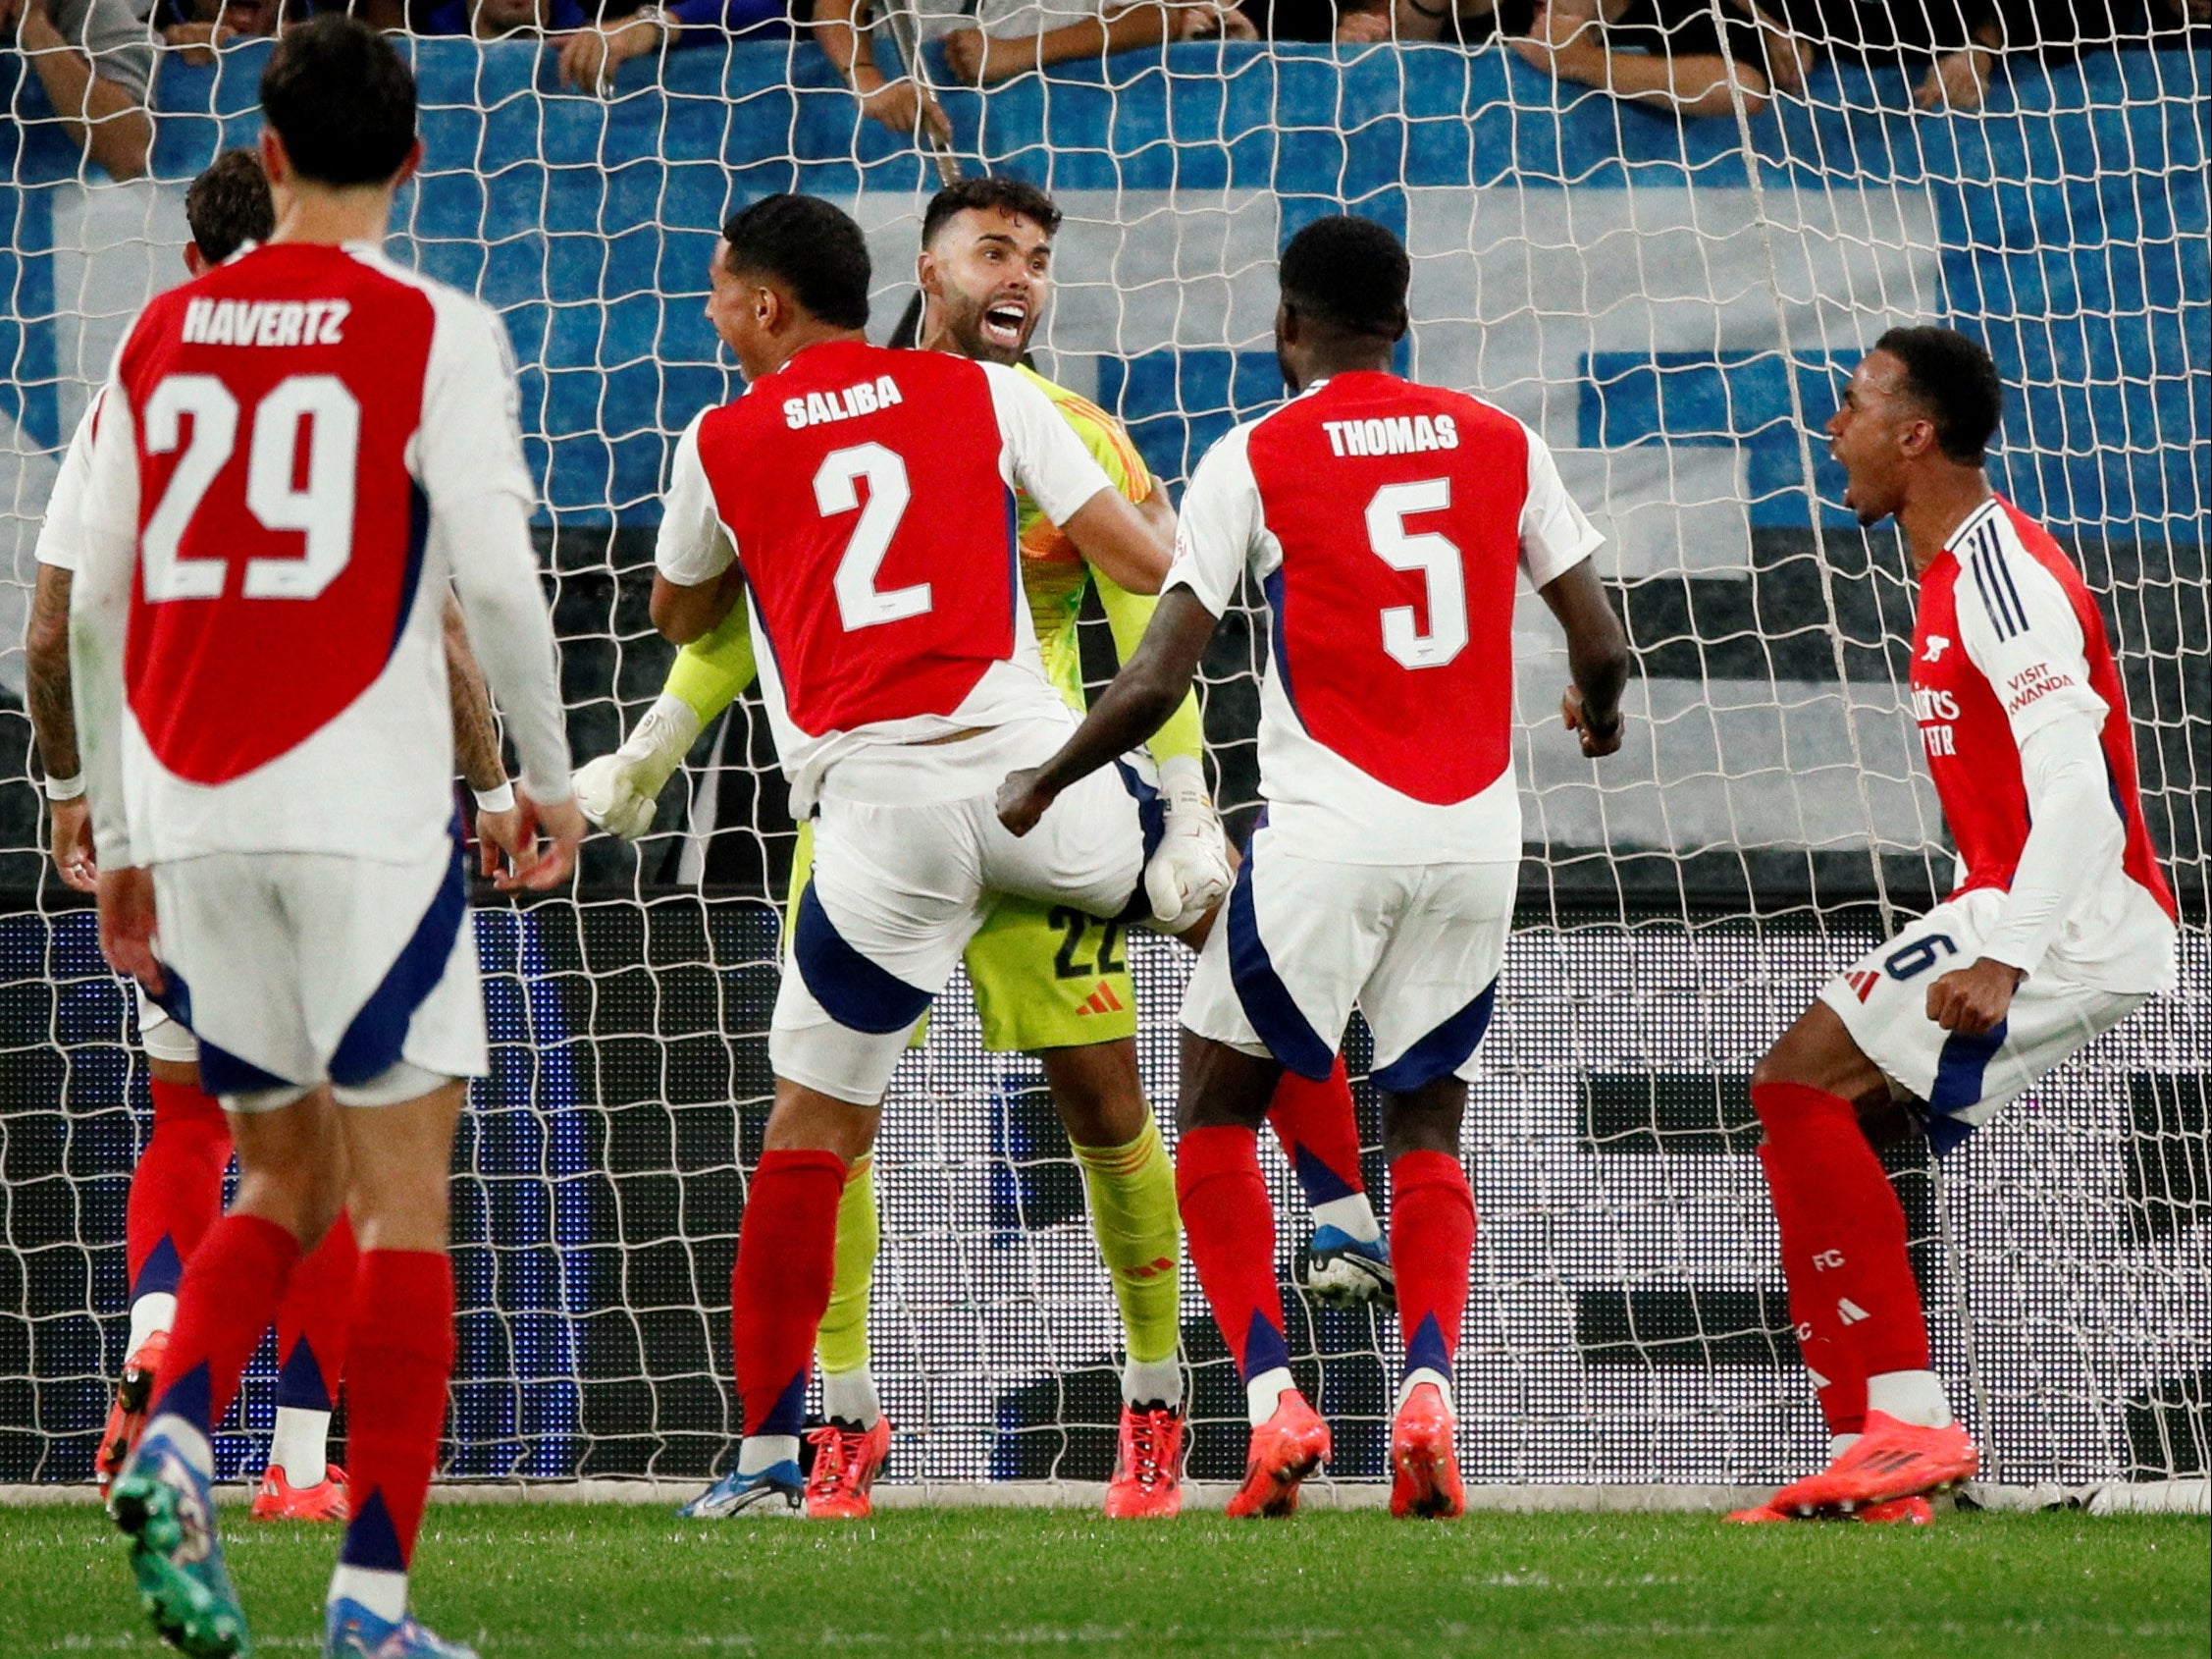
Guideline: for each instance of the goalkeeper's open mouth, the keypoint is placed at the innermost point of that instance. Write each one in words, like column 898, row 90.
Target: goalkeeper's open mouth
column 1004, row 323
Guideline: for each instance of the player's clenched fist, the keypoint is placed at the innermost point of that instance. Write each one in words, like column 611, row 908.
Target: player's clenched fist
column 1971, row 1001
column 1596, row 739
column 1189, row 872
column 619, row 792
column 1021, row 801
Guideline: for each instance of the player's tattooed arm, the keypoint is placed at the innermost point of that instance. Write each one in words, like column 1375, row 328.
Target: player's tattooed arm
column 46, row 665
column 1150, row 687
column 476, row 730
column 476, row 747
column 53, row 722
column 1597, row 656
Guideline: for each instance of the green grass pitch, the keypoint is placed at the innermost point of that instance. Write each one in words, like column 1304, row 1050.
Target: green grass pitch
column 579, row 1579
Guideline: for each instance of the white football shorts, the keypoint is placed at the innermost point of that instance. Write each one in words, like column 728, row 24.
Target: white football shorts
column 898, row 892
column 1962, row 1081
column 295, row 969
column 161, row 1037
column 1303, row 941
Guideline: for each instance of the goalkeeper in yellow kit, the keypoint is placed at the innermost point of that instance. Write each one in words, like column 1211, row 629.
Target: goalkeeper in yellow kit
column 1052, row 981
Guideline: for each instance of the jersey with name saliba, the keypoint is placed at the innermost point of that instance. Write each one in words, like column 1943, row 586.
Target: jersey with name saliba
column 869, row 496
column 1388, row 523
column 285, row 424
column 2005, row 639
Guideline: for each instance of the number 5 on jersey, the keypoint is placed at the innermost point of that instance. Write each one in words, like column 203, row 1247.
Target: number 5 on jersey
column 321, row 509
column 1438, row 562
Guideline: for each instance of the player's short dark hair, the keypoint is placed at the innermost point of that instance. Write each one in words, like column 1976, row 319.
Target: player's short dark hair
column 229, row 205
column 996, row 193
column 1957, row 379
column 1348, row 273
column 810, row 244
column 342, row 100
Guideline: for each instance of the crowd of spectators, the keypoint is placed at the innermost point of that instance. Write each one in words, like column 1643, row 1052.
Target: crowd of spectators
column 95, row 59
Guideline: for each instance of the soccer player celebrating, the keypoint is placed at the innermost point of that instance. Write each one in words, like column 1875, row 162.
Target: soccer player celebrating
column 293, row 458
column 1386, row 522
column 860, row 502
column 2062, row 922
column 1049, row 979
column 177, row 1189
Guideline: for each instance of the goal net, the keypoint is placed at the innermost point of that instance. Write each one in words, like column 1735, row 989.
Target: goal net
column 1671, row 303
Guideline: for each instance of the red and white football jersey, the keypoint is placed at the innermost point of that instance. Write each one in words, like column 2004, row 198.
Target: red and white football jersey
column 868, row 496
column 1388, row 524
column 2007, row 639
column 61, row 531
column 279, row 439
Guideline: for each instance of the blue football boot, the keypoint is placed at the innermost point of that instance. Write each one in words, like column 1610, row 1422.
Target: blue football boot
column 777, row 1490
column 168, row 1510
column 1345, row 1271
column 352, row 1631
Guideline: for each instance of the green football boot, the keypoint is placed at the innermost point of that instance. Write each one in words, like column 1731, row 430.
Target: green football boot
column 168, row 1510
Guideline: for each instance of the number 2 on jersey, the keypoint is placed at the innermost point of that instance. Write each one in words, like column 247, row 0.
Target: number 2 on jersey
column 860, row 602
column 1438, row 562
column 321, row 509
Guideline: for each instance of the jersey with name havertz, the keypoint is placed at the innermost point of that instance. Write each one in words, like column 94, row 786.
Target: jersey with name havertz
column 2007, row 638
column 1388, row 523
column 293, row 414
column 869, row 496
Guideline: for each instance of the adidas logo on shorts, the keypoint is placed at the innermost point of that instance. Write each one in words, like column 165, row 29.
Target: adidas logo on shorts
column 1101, row 1002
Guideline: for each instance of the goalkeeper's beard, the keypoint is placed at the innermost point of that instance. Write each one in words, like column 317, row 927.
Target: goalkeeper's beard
column 964, row 327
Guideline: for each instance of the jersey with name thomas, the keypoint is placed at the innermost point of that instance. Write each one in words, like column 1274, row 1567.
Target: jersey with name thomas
column 285, row 426
column 1387, row 522
column 869, row 496
column 2007, row 638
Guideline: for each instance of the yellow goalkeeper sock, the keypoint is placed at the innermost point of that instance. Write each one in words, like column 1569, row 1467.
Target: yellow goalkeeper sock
column 848, row 1386
column 712, row 672
column 1132, row 1214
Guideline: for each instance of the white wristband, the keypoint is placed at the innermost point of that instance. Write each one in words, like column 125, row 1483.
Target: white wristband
column 65, row 788
column 500, row 799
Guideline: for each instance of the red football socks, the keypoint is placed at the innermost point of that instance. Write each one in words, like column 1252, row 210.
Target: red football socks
column 779, row 1288
column 1433, row 1243
column 1829, row 1355
column 1231, row 1228
column 229, row 1293
column 403, row 1357
column 1845, row 1240
column 1320, row 1134
column 177, row 1189
column 316, row 1320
